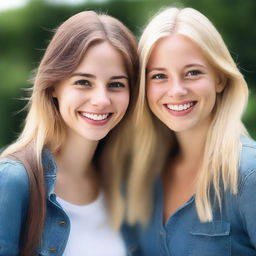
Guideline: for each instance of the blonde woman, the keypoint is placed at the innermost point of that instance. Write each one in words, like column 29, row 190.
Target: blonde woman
column 58, row 181
column 193, row 179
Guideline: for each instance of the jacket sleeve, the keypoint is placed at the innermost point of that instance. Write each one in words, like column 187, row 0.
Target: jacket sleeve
column 247, row 204
column 14, row 194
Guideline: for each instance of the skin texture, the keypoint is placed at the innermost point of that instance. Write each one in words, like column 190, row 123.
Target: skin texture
column 98, row 86
column 179, row 74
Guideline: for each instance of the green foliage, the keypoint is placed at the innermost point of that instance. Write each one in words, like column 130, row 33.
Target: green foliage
column 25, row 33
column 249, row 117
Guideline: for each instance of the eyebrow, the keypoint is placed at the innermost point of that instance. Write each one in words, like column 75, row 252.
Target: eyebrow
column 93, row 76
column 164, row 69
column 195, row 64
column 83, row 74
column 119, row 77
column 155, row 69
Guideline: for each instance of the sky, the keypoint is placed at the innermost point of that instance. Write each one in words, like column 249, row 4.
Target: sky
column 9, row 4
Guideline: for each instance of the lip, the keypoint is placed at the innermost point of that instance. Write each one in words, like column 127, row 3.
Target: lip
column 93, row 121
column 177, row 105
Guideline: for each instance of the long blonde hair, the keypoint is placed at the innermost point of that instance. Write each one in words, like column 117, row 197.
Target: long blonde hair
column 44, row 125
column 153, row 141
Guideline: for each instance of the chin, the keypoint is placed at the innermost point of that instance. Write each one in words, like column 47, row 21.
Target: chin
column 96, row 137
column 180, row 128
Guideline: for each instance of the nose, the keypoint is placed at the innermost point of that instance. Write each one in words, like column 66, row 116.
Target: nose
column 100, row 97
column 177, row 89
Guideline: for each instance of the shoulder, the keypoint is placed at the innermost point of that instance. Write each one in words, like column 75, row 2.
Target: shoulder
column 13, row 175
column 247, row 184
column 248, row 143
column 247, row 163
column 14, row 200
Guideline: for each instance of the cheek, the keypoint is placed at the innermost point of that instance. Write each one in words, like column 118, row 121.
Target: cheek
column 208, row 95
column 205, row 89
column 154, row 93
column 69, row 100
column 122, row 101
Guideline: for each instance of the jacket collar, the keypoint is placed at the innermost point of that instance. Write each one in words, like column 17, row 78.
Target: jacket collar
column 50, row 171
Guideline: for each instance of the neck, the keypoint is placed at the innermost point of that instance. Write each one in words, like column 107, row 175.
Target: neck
column 75, row 157
column 192, row 144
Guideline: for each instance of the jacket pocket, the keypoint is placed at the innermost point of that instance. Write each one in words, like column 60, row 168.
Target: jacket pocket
column 211, row 239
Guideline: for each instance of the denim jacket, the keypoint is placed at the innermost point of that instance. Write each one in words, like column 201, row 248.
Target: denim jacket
column 231, row 232
column 14, row 195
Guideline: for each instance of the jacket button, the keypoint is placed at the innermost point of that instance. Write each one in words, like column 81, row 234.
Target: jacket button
column 162, row 233
column 62, row 222
column 53, row 249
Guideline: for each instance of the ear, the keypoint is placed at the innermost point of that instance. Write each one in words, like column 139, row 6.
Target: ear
column 221, row 82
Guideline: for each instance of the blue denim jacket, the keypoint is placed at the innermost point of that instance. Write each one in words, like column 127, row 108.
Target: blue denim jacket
column 14, row 194
column 232, row 231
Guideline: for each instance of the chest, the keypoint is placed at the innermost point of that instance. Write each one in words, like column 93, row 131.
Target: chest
column 184, row 235
column 177, row 190
column 84, row 231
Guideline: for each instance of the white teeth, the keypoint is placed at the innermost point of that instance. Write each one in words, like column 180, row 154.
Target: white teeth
column 180, row 107
column 95, row 117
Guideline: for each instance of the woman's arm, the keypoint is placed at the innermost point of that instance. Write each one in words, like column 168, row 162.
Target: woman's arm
column 247, row 204
column 14, row 194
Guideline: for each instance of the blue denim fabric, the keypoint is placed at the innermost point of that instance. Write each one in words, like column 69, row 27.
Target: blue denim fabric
column 232, row 231
column 14, row 194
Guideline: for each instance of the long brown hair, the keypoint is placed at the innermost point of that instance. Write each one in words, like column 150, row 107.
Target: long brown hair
column 43, row 124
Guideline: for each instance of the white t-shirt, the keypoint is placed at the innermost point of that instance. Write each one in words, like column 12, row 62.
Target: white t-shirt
column 91, row 233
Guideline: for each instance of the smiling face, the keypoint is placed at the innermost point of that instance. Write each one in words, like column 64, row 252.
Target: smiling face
column 95, row 97
column 181, row 84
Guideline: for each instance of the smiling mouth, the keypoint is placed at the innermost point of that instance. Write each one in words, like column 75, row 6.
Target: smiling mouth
column 181, row 107
column 96, row 117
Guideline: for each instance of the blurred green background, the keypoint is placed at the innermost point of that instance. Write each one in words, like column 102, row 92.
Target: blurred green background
column 26, row 31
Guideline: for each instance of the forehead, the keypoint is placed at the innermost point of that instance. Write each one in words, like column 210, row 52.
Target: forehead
column 102, row 56
column 176, row 49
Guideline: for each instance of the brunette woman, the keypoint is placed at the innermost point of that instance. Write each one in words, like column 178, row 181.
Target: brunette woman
column 58, row 191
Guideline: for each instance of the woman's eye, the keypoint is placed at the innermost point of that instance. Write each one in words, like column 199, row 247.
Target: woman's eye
column 116, row 85
column 158, row 76
column 193, row 73
column 82, row 82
